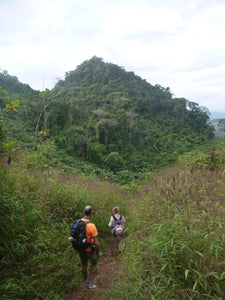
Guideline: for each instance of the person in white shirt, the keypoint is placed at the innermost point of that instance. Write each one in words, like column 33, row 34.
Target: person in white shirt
column 116, row 223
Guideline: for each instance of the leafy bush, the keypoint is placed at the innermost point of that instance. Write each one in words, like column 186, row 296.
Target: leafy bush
column 212, row 159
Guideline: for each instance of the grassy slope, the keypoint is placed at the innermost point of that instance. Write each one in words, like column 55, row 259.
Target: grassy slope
column 176, row 230
column 38, row 204
column 177, row 233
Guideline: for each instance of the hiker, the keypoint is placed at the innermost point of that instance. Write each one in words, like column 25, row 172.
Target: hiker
column 116, row 223
column 91, row 253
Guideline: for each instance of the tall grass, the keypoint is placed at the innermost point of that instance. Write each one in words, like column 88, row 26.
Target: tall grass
column 176, row 220
column 38, row 205
column 177, row 237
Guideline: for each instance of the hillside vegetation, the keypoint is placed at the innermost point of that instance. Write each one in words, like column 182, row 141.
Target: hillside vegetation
column 109, row 117
column 38, row 205
column 175, row 220
column 177, row 246
column 105, row 137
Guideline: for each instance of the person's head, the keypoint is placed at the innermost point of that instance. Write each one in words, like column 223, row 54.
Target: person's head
column 116, row 210
column 88, row 210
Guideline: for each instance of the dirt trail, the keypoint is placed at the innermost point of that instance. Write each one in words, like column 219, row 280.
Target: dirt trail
column 109, row 266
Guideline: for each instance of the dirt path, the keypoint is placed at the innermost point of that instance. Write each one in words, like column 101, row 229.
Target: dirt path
column 109, row 267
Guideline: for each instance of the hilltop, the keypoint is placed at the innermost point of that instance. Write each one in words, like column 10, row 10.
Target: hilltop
column 108, row 117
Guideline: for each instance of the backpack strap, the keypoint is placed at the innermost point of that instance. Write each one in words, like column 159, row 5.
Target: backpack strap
column 75, row 225
column 120, row 218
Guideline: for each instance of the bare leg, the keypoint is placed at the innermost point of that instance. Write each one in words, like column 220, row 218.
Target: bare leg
column 84, row 270
column 92, row 272
column 118, row 239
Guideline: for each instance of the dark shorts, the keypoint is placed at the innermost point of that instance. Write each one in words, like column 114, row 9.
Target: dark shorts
column 88, row 255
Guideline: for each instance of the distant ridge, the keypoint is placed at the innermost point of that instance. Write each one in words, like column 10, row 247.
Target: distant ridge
column 217, row 115
column 219, row 129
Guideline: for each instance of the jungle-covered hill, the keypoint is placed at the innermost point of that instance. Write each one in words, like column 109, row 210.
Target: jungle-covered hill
column 106, row 116
column 104, row 119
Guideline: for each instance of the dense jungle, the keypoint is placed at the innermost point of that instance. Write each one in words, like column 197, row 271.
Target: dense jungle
column 104, row 137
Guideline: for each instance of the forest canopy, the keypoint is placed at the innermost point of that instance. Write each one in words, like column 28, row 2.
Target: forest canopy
column 102, row 114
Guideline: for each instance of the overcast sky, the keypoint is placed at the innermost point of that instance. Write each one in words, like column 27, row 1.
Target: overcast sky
column 175, row 43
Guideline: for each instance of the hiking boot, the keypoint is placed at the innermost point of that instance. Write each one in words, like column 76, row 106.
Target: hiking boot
column 91, row 286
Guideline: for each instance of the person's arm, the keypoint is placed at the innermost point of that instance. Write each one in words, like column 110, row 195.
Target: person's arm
column 111, row 222
column 97, row 246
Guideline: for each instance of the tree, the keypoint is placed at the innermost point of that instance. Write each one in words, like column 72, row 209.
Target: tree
column 9, row 147
column 105, row 130
column 114, row 161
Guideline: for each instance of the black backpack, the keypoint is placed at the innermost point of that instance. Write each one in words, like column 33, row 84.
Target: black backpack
column 118, row 226
column 78, row 234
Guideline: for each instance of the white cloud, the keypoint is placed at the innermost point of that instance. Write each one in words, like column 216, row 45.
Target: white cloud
column 174, row 43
